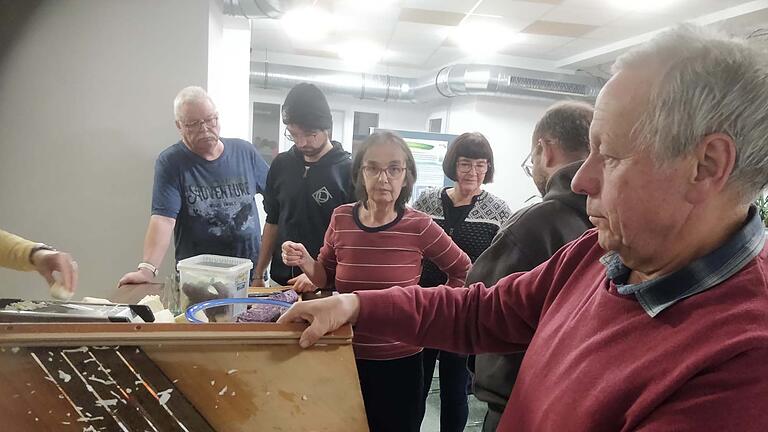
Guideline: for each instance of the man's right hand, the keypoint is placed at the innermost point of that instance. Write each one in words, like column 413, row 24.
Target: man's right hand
column 324, row 315
column 136, row 277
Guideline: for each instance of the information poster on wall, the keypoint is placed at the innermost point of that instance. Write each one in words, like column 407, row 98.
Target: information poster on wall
column 429, row 152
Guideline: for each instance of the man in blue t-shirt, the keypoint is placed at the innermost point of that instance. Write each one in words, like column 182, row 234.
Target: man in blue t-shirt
column 204, row 191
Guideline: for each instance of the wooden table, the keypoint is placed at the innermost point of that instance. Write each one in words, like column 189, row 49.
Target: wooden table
column 196, row 377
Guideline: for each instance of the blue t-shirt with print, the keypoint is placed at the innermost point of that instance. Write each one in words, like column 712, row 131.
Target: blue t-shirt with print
column 212, row 201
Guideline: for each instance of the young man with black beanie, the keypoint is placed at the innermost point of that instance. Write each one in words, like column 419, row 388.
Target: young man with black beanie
column 304, row 185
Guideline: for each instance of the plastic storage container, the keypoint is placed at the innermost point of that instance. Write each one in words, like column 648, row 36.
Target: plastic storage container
column 208, row 277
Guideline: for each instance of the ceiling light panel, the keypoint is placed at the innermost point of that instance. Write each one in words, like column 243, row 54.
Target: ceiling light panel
column 307, row 23
column 483, row 38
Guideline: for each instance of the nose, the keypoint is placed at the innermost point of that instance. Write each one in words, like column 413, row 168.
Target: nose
column 382, row 177
column 204, row 127
column 588, row 177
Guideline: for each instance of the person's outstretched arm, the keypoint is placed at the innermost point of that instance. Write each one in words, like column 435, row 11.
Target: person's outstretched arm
column 156, row 244
column 21, row 254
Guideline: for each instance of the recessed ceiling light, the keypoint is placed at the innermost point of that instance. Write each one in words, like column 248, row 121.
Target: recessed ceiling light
column 483, row 38
column 360, row 55
column 307, row 23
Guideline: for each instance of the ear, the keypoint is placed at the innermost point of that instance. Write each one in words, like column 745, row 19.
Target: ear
column 178, row 125
column 549, row 154
column 714, row 159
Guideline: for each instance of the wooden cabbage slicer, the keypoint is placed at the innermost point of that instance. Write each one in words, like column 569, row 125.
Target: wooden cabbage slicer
column 176, row 377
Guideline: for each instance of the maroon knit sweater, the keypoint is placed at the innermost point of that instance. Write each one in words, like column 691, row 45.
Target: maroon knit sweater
column 596, row 361
column 362, row 258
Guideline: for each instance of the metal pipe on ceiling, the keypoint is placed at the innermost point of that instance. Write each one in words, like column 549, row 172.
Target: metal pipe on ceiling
column 450, row 81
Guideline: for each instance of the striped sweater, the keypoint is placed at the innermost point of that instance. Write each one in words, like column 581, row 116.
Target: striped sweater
column 360, row 258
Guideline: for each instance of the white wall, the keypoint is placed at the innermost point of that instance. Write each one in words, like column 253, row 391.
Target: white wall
column 392, row 115
column 508, row 124
column 85, row 107
column 229, row 63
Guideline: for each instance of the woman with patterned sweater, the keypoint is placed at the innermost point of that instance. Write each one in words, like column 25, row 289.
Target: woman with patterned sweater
column 472, row 217
column 374, row 244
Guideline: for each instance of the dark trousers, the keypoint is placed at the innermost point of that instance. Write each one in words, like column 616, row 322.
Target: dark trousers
column 392, row 393
column 491, row 420
column 454, row 379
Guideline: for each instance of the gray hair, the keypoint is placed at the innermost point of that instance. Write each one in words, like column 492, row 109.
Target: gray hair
column 187, row 95
column 711, row 83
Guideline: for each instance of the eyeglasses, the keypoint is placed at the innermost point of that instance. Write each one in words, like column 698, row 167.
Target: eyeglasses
column 527, row 166
column 290, row 137
column 391, row 171
column 209, row 123
column 465, row 167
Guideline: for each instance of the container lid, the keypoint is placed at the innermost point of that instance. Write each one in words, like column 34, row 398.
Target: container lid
column 215, row 263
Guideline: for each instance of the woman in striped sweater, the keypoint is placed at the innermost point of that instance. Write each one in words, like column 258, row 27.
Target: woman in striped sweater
column 374, row 244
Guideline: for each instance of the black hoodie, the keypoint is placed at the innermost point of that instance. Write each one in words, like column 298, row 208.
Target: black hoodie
column 300, row 197
column 530, row 237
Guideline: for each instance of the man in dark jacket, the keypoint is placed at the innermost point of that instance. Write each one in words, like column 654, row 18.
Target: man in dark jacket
column 533, row 234
column 304, row 185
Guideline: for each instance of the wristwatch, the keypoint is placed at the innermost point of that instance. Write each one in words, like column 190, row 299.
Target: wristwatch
column 39, row 247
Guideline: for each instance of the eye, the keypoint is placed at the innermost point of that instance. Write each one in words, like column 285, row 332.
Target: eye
column 609, row 160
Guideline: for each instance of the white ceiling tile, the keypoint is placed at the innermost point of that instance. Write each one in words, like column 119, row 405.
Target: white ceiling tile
column 418, row 35
column 610, row 5
column 545, row 41
column 513, row 25
column 443, row 56
column 460, row 6
column 613, row 33
column 582, row 15
column 379, row 35
column 413, row 59
column 644, row 22
column 514, row 10
column 524, row 50
column 577, row 46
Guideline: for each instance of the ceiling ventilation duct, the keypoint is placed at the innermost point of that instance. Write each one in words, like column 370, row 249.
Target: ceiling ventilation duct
column 451, row 81
column 360, row 85
column 487, row 80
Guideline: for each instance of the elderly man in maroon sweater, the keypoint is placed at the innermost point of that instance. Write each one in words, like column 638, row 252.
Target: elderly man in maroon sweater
column 657, row 320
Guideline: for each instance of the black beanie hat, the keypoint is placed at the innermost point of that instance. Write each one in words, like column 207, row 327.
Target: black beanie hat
column 306, row 107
